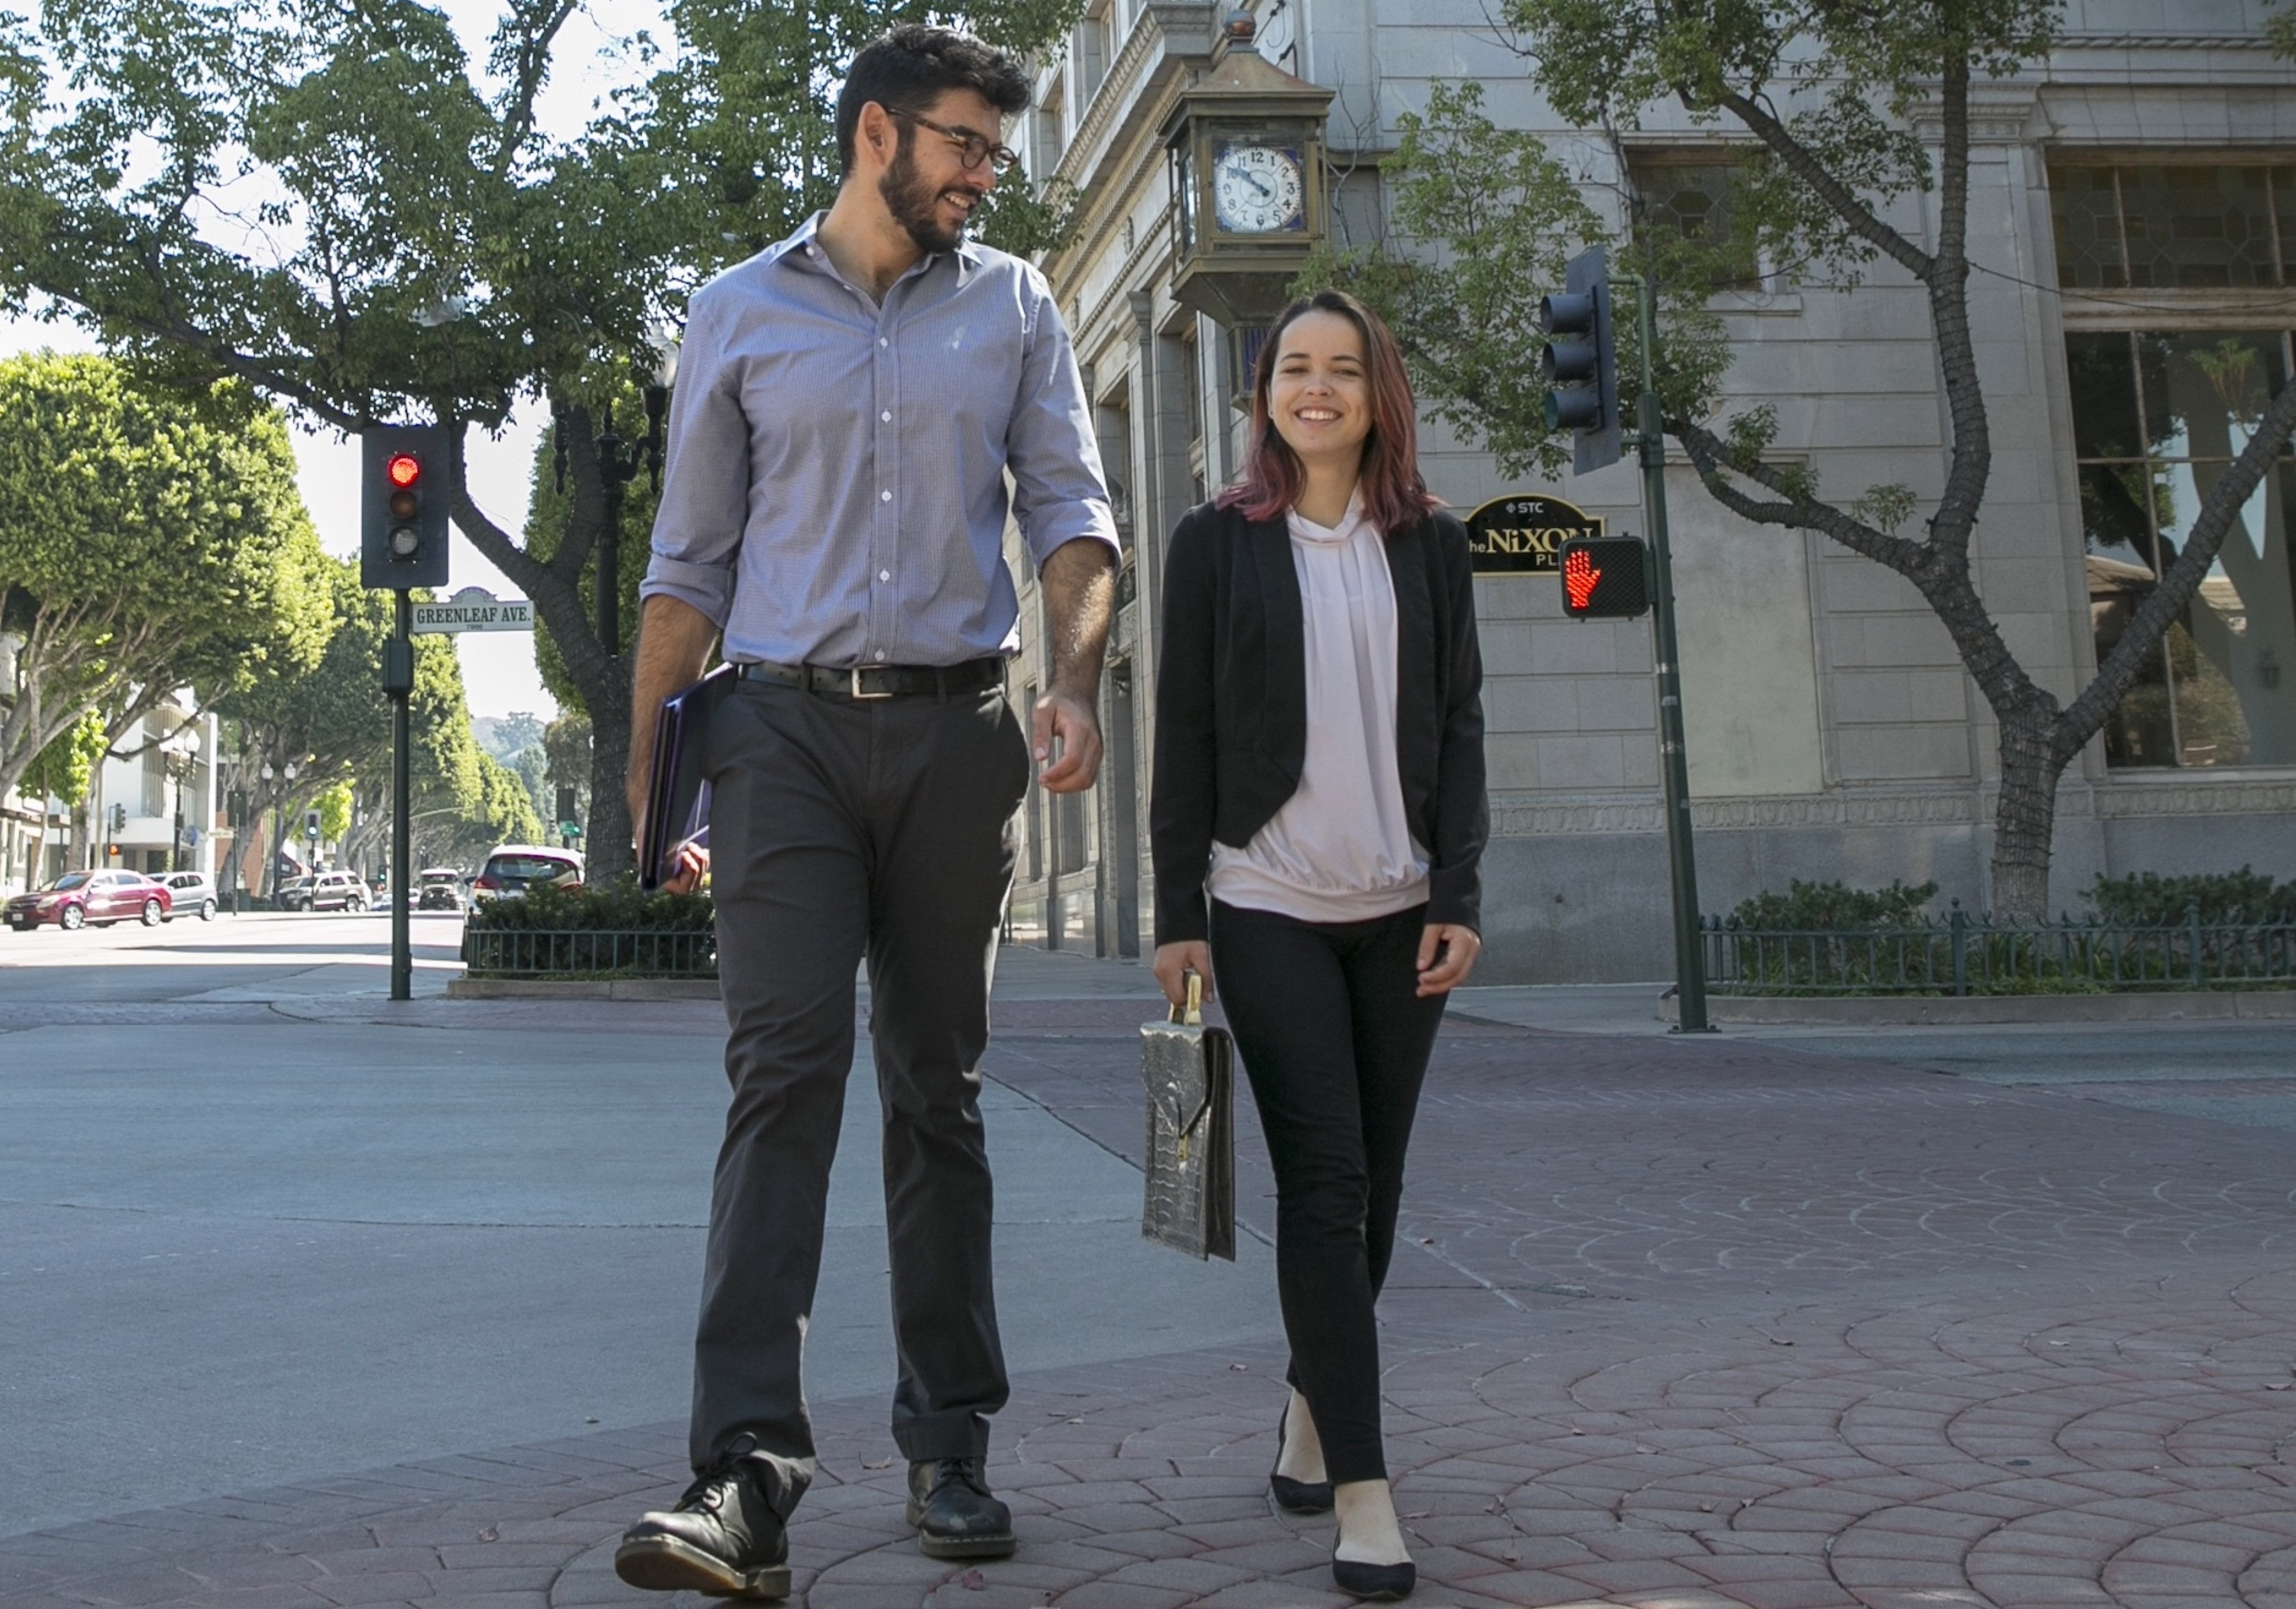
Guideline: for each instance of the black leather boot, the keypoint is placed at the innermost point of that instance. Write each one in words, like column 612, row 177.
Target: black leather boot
column 955, row 1516
column 723, row 1539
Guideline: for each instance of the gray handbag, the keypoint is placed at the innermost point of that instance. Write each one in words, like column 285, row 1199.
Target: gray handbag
column 1190, row 1073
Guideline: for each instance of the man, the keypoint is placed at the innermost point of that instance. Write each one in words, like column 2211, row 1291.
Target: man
column 850, row 405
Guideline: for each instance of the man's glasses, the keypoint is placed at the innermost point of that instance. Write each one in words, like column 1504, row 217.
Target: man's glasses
column 972, row 149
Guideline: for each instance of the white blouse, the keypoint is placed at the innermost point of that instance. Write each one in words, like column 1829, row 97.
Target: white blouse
column 1339, row 849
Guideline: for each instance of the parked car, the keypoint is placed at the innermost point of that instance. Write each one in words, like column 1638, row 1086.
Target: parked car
column 325, row 892
column 515, row 867
column 441, row 889
column 93, row 899
column 193, row 893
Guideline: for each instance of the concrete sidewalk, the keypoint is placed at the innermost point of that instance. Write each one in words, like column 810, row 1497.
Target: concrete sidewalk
column 1677, row 1323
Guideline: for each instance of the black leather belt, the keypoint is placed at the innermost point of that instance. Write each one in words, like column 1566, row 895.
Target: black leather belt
column 880, row 681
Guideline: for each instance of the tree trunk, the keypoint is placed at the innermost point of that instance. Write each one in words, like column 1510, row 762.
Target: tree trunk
column 2025, row 821
column 609, row 854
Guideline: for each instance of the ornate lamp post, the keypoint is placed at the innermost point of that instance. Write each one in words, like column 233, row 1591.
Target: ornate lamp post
column 183, row 763
column 278, row 828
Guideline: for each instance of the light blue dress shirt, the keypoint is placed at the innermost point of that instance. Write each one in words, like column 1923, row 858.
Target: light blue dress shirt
column 837, row 483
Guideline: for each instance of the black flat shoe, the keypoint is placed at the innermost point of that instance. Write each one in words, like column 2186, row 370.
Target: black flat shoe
column 1296, row 1497
column 1375, row 1583
column 956, row 1516
column 723, row 1540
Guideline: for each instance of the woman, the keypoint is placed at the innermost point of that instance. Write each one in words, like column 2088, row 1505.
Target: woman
column 1318, row 821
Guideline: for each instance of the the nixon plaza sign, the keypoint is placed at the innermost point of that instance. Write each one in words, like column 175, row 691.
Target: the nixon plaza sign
column 473, row 608
column 1523, row 533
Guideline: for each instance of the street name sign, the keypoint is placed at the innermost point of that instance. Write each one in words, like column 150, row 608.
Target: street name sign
column 473, row 608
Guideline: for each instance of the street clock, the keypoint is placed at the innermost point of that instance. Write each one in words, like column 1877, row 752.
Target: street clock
column 1246, row 143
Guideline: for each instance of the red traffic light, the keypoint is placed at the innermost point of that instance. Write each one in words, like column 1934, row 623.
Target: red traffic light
column 404, row 469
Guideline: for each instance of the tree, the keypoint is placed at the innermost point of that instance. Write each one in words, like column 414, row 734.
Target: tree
column 333, row 206
column 63, row 771
column 1830, row 97
column 147, row 542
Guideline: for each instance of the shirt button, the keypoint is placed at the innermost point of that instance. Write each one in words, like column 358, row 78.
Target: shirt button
column 882, row 341
column 884, row 497
column 887, row 415
column 880, row 653
column 884, row 574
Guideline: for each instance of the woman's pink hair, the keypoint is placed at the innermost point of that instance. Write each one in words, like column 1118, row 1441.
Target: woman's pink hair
column 1394, row 495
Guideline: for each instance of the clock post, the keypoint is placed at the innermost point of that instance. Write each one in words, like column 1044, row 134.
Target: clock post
column 1246, row 143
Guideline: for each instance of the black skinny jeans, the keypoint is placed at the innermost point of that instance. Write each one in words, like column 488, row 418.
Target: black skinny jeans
column 1335, row 1041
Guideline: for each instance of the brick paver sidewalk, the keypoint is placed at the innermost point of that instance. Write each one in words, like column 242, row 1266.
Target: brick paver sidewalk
column 1682, row 1323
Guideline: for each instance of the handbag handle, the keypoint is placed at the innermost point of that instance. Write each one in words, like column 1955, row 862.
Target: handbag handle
column 1196, row 1017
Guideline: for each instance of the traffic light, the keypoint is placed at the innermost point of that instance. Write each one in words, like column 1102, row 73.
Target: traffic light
column 1580, row 362
column 119, row 822
column 1605, row 577
column 402, row 507
column 310, row 823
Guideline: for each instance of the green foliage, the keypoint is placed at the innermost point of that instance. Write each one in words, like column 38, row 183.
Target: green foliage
column 2148, row 899
column 66, row 766
column 617, row 907
column 548, row 511
column 1808, row 907
column 334, row 807
column 147, row 541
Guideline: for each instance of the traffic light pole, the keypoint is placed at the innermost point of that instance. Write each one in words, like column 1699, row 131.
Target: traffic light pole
column 1674, row 765
column 398, row 681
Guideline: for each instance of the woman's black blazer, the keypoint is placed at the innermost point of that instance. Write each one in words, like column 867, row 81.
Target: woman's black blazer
column 1232, row 704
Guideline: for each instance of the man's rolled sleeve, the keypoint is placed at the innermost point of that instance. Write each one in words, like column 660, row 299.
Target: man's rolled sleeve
column 1059, row 495
column 705, row 490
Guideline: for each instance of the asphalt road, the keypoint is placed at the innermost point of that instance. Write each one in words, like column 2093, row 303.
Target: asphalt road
column 238, row 1245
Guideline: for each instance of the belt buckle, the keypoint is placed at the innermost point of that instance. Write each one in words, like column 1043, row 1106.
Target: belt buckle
column 855, row 685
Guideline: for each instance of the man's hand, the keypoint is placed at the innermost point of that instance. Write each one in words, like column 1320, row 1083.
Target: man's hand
column 1446, row 955
column 692, row 865
column 1175, row 962
column 1061, row 718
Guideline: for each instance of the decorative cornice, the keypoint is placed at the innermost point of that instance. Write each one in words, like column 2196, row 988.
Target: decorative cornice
column 2240, row 796
column 2162, row 41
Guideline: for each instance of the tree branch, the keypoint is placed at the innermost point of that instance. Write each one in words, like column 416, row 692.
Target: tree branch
column 1710, row 457
column 1861, row 218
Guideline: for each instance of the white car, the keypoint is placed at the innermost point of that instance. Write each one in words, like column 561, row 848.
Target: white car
column 194, row 895
column 515, row 867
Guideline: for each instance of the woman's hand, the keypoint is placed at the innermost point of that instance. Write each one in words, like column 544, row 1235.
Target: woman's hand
column 1446, row 955
column 1175, row 962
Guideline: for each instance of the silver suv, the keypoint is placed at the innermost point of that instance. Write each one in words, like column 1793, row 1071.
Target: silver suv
column 194, row 895
column 327, row 892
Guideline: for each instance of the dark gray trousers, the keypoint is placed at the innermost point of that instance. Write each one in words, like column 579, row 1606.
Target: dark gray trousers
column 840, row 829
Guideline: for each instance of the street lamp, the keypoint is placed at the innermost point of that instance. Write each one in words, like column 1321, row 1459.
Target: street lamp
column 617, row 466
column 187, row 759
column 278, row 823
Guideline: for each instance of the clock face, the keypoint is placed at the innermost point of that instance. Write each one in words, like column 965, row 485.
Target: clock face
column 1258, row 189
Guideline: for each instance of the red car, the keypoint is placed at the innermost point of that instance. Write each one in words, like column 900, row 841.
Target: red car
column 93, row 899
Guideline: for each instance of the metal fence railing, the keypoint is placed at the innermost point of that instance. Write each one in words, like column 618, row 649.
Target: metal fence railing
column 1964, row 954
column 544, row 952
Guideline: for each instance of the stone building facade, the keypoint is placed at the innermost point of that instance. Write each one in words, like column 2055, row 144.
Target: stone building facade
column 2134, row 221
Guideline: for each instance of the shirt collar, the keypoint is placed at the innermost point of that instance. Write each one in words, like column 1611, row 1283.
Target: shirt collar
column 968, row 253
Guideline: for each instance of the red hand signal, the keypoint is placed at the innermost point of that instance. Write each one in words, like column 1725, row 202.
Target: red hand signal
column 1579, row 577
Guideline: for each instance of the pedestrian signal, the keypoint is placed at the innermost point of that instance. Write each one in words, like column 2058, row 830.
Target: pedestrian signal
column 402, row 507
column 1605, row 577
column 1580, row 364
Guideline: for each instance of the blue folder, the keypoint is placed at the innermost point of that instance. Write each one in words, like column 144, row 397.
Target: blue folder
column 677, row 794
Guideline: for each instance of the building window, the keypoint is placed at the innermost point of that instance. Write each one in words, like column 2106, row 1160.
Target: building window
column 1688, row 194
column 1094, row 47
column 2157, row 417
column 2160, row 226
column 1051, row 136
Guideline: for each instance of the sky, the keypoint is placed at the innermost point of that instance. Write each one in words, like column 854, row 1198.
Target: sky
column 498, row 673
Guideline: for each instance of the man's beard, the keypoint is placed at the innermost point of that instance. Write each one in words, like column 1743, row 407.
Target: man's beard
column 915, row 206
